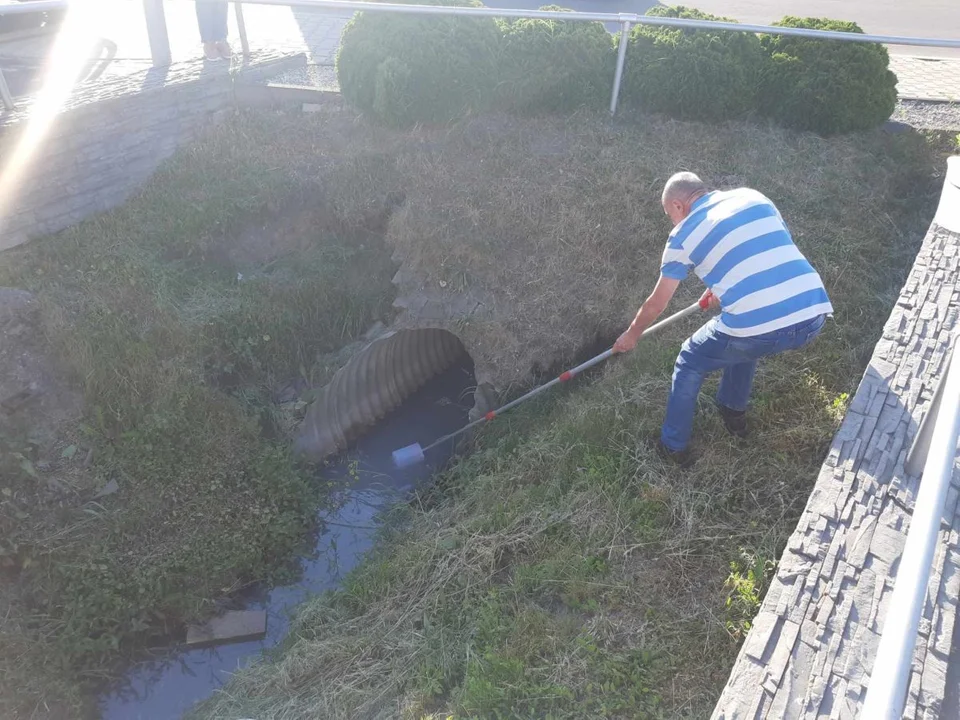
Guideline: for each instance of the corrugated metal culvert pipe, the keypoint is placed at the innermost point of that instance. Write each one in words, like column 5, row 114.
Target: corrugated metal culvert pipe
column 377, row 380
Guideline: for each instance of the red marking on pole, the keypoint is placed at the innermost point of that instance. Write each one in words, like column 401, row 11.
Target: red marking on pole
column 566, row 376
column 490, row 416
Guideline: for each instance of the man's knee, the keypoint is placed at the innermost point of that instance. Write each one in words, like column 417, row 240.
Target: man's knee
column 686, row 358
column 686, row 366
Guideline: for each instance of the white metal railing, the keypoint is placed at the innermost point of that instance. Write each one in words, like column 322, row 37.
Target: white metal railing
column 892, row 666
column 160, row 46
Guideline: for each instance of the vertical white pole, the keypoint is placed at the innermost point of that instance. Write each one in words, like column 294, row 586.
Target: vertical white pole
column 621, row 58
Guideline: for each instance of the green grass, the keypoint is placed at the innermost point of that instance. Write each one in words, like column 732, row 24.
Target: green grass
column 561, row 570
column 175, row 317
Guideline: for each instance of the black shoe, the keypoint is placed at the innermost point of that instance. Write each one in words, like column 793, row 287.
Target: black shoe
column 684, row 459
column 735, row 421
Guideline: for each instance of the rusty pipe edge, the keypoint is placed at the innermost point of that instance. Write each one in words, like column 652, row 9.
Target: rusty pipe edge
column 376, row 381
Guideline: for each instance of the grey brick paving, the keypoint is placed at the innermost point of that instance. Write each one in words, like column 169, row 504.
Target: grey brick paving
column 927, row 78
column 107, row 140
column 118, row 26
column 810, row 651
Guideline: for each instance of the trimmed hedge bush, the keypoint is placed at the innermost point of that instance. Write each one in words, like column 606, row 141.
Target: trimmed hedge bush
column 826, row 86
column 552, row 65
column 408, row 69
column 692, row 74
column 405, row 69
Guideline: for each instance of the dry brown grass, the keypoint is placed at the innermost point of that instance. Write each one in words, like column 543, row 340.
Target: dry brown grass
column 554, row 225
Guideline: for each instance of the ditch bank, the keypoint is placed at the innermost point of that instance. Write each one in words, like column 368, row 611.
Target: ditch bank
column 200, row 319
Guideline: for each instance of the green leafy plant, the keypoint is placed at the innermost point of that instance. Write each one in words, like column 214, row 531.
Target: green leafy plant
column 408, row 69
column 749, row 578
column 692, row 74
column 552, row 65
column 825, row 86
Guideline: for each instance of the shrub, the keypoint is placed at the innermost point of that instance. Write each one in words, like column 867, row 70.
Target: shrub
column 692, row 74
column 552, row 65
column 823, row 85
column 405, row 69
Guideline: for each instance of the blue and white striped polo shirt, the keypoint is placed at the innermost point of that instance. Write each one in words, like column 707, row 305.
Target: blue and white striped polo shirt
column 737, row 243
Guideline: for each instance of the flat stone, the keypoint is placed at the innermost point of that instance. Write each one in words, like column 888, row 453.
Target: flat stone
column 849, row 427
column 825, row 610
column 879, row 592
column 835, row 690
column 759, row 636
column 792, row 566
column 887, row 543
column 842, row 612
column 883, row 369
column 814, row 696
column 862, row 593
column 782, row 652
column 858, row 545
column 231, row 627
column 811, row 634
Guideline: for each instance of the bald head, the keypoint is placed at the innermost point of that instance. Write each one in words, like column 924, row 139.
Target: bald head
column 682, row 186
column 680, row 192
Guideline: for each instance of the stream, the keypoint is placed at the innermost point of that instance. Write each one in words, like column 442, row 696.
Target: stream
column 166, row 687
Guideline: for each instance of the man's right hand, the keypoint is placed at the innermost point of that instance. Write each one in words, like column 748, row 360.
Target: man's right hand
column 625, row 343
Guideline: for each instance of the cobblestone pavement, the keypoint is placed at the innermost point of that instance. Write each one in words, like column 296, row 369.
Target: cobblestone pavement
column 927, row 78
column 115, row 33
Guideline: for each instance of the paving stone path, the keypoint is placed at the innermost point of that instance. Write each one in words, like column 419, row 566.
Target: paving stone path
column 927, row 78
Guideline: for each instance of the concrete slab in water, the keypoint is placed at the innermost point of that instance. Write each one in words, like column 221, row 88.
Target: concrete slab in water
column 234, row 626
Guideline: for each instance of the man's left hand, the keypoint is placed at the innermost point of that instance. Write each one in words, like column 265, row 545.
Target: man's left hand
column 709, row 301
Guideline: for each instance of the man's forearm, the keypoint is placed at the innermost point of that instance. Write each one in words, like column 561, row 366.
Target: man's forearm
column 651, row 309
column 646, row 316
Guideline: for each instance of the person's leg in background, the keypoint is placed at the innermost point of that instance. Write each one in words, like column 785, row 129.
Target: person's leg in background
column 212, row 21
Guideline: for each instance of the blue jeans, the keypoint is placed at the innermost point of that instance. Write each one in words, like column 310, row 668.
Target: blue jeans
column 212, row 19
column 709, row 350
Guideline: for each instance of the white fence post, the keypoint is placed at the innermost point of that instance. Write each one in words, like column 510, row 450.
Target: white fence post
column 157, row 32
column 5, row 93
column 242, row 28
column 621, row 59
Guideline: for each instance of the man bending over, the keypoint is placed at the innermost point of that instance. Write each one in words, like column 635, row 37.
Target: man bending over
column 771, row 299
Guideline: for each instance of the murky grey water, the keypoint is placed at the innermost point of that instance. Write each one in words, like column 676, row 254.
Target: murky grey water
column 165, row 688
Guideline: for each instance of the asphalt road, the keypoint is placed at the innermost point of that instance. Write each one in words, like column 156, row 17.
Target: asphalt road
column 918, row 18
